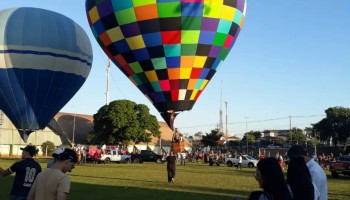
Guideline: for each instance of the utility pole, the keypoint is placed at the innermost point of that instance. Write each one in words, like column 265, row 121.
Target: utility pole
column 74, row 129
column 226, row 118
column 290, row 129
column 221, row 126
column 246, row 131
column 107, row 87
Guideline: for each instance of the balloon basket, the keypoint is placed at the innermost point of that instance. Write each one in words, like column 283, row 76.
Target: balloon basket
column 178, row 146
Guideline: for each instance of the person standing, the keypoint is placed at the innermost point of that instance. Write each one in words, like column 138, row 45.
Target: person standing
column 318, row 176
column 183, row 158
column 56, row 152
column 26, row 172
column 270, row 178
column 299, row 180
column 84, row 156
column 96, row 156
column 239, row 164
column 103, row 149
column 171, row 161
column 280, row 161
column 53, row 183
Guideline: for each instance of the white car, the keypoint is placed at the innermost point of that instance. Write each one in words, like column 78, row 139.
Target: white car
column 247, row 161
column 115, row 156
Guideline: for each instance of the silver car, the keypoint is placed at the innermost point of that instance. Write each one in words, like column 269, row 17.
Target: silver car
column 247, row 161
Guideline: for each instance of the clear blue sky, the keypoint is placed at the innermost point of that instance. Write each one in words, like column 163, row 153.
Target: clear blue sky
column 292, row 58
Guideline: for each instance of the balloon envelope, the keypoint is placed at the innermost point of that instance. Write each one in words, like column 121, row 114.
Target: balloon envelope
column 45, row 58
column 170, row 49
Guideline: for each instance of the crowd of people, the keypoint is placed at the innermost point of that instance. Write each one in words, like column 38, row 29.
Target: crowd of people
column 94, row 153
column 305, row 177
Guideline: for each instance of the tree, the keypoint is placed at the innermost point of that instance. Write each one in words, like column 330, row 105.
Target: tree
column 257, row 135
column 309, row 132
column 336, row 125
column 251, row 136
column 248, row 138
column 324, row 129
column 48, row 147
column 210, row 139
column 296, row 135
column 123, row 121
column 198, row 135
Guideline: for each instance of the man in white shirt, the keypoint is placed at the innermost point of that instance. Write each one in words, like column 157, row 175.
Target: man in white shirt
column 318, row 176
column 183, row 158
column 239, row 161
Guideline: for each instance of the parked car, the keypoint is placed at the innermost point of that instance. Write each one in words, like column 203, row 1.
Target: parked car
column 340, row 166
column 247, row 161
column 146, row 156
column 273, row 146
column 115, row 156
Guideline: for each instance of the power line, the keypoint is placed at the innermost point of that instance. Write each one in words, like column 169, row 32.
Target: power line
column 257, row 121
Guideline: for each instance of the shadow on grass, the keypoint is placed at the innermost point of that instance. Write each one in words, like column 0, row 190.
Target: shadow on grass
column 96, row 192
column 6, row 185
column 166, row 191
column 161, row 187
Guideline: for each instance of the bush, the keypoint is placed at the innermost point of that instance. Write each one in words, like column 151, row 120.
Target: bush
column 49, row 146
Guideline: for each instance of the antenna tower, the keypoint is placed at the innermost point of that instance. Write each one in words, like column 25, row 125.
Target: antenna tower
column 108, row 73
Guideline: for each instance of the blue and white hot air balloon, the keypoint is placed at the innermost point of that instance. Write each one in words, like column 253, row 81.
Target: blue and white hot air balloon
column 45, row 58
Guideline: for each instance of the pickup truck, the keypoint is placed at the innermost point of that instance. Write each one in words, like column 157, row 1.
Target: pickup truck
column 146, row 156
column 247, row 161
column 340, row 166
column 115, row 156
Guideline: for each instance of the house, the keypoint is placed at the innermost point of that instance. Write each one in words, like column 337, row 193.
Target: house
column 233, row 138
column 275, row 133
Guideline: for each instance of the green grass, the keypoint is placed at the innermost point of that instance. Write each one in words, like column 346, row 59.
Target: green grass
column 149, row 181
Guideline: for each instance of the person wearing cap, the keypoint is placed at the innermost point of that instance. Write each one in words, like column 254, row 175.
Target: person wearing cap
column 55, row 153
column 26, row 172
column 53, row 183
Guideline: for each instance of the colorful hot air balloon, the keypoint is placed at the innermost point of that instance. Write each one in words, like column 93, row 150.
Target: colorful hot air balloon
column 45, row 58
column 170, row 49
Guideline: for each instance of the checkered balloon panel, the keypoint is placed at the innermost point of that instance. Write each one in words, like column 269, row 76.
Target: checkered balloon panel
column 170, row 49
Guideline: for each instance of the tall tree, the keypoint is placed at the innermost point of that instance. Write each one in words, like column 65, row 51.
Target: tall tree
column 323, row 129
column 251, row 136
column 296, row 135
column 198, row 135
column 210, row 139
column 336, row 125
column 257, row 135
column 122, row 121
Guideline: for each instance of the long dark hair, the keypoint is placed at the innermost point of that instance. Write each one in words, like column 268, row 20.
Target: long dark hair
column 273, row 179
column 299, row 179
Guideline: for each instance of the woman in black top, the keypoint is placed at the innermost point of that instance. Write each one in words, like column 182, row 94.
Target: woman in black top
column 171, row 159
column 271, row 179
column 299, row 180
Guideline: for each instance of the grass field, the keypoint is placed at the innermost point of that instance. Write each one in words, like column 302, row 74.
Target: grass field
column 148, row 181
